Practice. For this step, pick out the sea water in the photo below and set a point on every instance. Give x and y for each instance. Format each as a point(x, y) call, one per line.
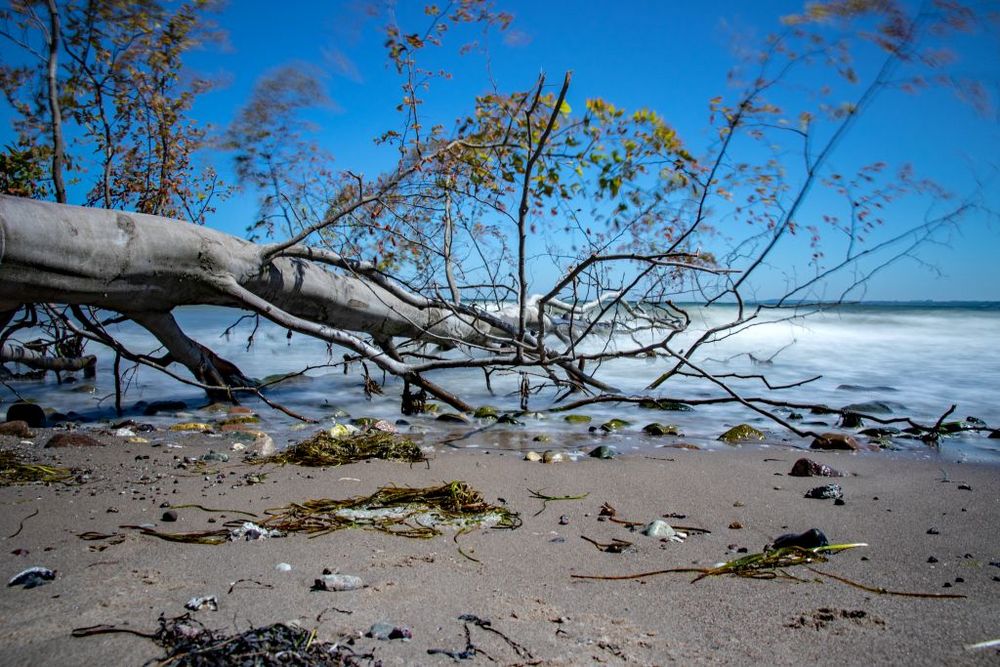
point(920, 358)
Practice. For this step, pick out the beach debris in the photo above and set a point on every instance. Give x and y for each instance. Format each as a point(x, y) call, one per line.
point(552, 456)
point(32, 577)
point(249, 531)
point(214, 456)
point(613, 425)
point(741, 433)
point(330, 581)
point(602, 452)
point(658, 429)
point(735, 525)
point(835, 441)
point(324, 449)
point(809, 539)
point(18, 428)
point(577, 419)
point(188, 643)
point(15, 471)
point(825, 492)
point(209, 602)
point(669, 406)
point(532, 456)
point(978, 646)
point(283, 567)
point(72, 440)
point(470, 651)
point(662, 529)
point(30, 413)
point(810, 468)
point(546, 499)
point(384, 631)
point(615, 546)
point(402, 511)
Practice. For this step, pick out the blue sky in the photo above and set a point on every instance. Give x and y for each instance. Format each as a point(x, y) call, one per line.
point(668, 56)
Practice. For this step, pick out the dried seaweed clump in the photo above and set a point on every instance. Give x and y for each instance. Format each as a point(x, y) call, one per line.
point(190, 644)
point(325, 450)
point(15, 471)
point(404, 511)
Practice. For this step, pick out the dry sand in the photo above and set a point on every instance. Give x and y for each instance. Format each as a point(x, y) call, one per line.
point(907, 510)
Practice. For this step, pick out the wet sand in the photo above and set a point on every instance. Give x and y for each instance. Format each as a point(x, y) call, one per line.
point(931, 526)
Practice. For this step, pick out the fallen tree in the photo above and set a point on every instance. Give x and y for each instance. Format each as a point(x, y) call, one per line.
point(427, 268)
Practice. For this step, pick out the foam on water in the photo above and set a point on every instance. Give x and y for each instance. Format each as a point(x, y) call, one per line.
point(923, 357)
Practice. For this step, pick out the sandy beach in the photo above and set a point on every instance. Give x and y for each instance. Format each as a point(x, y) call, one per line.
point(930, 526)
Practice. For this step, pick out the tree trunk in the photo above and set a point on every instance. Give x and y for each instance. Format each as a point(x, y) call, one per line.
point(143, 266)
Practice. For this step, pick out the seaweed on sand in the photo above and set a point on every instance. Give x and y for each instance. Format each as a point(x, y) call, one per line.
point(14, 471)
point(324, 449)
point(189, 643)
point(396, 510)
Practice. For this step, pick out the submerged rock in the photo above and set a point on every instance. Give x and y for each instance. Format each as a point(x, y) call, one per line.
point(994, 435)
point(810, 539)
point(741, 433)
point(508, 418)
point(874, 407)
point(613, 425)
point(602, 452)
point(658, 429)
point(835, 441)
point(453, 418)
point(191, 426)
point(26, 412)
point(485, 412)
point(157, 407)
point(549, 456)
point(672, 406)
point(72, 440)
point(542, 438)
point(826, 492)
point(858, 387)
point(577, 419)
point(880, 431)
point(810, 468)
point(850, 420)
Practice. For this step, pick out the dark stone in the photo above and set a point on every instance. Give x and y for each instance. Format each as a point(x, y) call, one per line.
point(994, 434)
point(835, 441)
point(825, 492)
point(810, 539)
point(157, 407)
point(850, 420)
point(72, 440)
point(810, 468)
point(933, 531)
point(17, 428)
point(26, 412)
point(880, 431)
point(169, 515)
point(602, 452)
point(873, 407)
point(932, 559)
point(839, 501)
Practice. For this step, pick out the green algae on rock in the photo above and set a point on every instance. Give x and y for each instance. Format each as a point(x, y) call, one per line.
point(661, 429)
point(741, 433)
point(577, 419)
